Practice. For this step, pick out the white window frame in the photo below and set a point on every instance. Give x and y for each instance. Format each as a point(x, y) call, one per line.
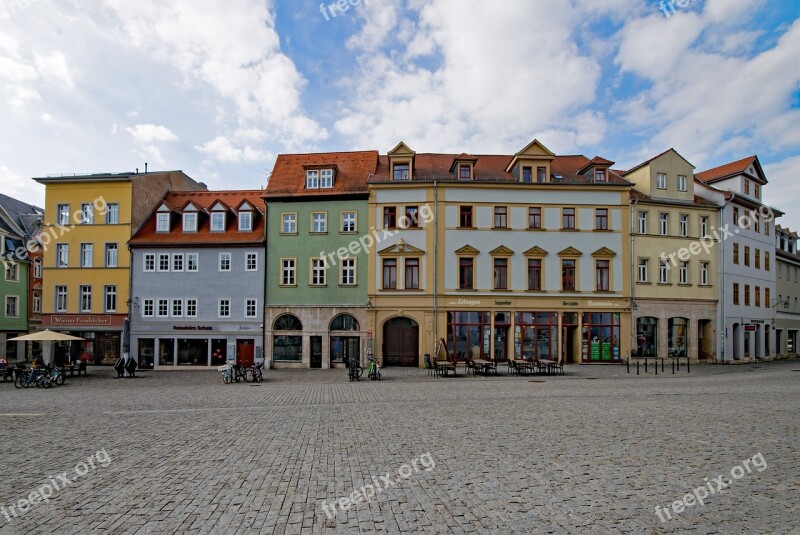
point(62, 214)
point(683, 273)
point(661, 181)
point(326, 178)
point(109, 291)
point(254, 258)
point(172, 310)
point(192, 257)
point(683, 225)
point(703, 226)
point(165, 303)
point(704, 273)
point(162, 222)
point(148, 257)
point(289, 218)
point(314, 222)
point(112, 213)
point(312, 179)
point(190, 227)
point(682, 183)
point(191, 304)
point(178, 262)
point(15, 312)
point(317, 273)
point(345, 217)
point(62, 255)
point(61, 291)
point(11, 271)
point(223, 259)
point(37, 268)
point(163, 256)
point(663, 272)
point(217, 221)
point(343, 269)
point(227, 303)
point(87, 209)
point(81, 294)
point(112, 255)
point(247, 304)
point(37, 302)
point(245, 221)
point(663, 224)
point(148, 304)
point(288, 266)
point(643, 269)
point(642, 218)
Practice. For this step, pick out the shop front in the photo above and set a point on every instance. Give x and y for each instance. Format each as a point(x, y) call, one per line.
point(102, 337)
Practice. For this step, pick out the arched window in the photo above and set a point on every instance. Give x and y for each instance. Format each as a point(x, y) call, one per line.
point(344, 322)
point(287, 322)
point(647, 337)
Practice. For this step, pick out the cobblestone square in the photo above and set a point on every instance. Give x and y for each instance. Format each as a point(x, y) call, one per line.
point(594, 451)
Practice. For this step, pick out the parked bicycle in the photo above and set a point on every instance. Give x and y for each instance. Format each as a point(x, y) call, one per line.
point(374, 372)
point(27, 378)
point(354, 369)
point(255, 372)
point(232, 372)
point(50, 377)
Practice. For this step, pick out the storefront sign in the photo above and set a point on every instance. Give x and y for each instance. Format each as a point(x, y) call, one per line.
point(245, 328)
point(502, 303)
point(569, 303)
point(468, 302)
point(192, 328)
point(756, 321)
point(750, 327)
point(81, 321)
point(603, 304)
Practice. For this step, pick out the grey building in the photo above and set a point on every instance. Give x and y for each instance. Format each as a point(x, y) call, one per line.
point(197, 281)
point(787, 316)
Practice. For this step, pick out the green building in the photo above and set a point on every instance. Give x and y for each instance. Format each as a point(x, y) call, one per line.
point(14, 293)
point(316, 276)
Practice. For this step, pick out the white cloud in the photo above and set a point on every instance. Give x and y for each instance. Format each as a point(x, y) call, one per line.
point(221, 149)
point(151, 154)
point(147, 133)
point(783, 190)
point(54, 67)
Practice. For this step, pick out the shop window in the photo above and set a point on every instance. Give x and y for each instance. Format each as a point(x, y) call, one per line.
point(468, 334)
point(536, 335)
point(647, 337)
point(601, 337)
point(677, 337)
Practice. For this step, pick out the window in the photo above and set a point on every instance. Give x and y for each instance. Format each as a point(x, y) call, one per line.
point(112, 255)
point(63, 214)
point(465, 273)
point(319, 222)
point(683, 273)
point(642, 222)
point(112, 214)
point(602, 270)
point(500, 217)
point(37, 268)
point(683, 223)
point(326, 178)
point(61, 298)
point(464, 172)
point(224, 261)
point(162, 222)
point(12, 272)
point(704, 273)
point(224, 309)
point(568, 218)
point(412, 217)
point(644, 268)
point(192, 262)
point(389, 273)
point(289, 223)
point(766, 261)
point(599, 175)
point(251, 262)
point(541, 175)
point(250, 308)
point(757, 191)
point(703, 226)
point(62, 255)
point(163, 262)
point(85, 293)
point(191, 308)
point(412, 273)
point(110, 298)
point(747, 295)
point(758, 295)
point(681, 183)
point(149, 262)
point(735, 215)
point(735, 253)
point(177, 308)
point(177, 262)
point(37, 302)
point(465, 216)
point(661, 181)
point(758, 259)
point(348, 271)
point(735, 293)
point(534, 217)
point(190, 222)
point(148, 308)
point(746, 255)
point(317, 272)
point(348, 222)
point(663, 224)
point(87, 211)
point(245, 221)
point(12, 306)
point(601, 219)
point(766, 228)
point(527, 175)
point(288, 272)
point(501, 273)
point(568, 275)
point(756, 224)
point(217, 221)
point(534, 274)
point(400, 171)
point(390, 217)
point(312, 179)
point(663, 272)
point(767, 301)
point(746, 187)
point(163, 308)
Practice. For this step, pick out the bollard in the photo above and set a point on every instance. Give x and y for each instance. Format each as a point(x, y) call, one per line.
point(645, 365)
point(673, 366)
point(637, 367)
point(656, 366)
point(662, 364)
point(628, 364)
point(688, 370)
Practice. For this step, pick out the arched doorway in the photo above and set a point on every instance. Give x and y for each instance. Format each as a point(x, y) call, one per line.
point(401, 342)
point(345, 342)
point(287, 342)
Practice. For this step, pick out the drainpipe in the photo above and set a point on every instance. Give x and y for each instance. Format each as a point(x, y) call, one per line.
point(633, 273)
point(264, 304)
point(721, 293)
point(435, 264)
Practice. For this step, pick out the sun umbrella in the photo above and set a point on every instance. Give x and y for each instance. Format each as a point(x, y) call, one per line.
point(45, 336)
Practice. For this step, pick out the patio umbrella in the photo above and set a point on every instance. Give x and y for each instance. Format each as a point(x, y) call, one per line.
point(45, 336)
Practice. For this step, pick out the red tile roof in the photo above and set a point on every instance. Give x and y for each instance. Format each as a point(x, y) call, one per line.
point(698, 201)
point(733, 168)
point(204, 200)
point(354, 168)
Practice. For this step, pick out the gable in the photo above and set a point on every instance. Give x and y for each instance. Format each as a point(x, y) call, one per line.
point(604, 252)
point(570, 251)
point(501, 251)
point(536, 251)
point(467, 250)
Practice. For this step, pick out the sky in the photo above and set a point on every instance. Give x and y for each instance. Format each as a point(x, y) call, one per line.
point(219, 89)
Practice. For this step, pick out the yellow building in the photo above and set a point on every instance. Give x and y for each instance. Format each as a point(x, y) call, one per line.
point(524, 255)
point(675, 263)
point(88, 222)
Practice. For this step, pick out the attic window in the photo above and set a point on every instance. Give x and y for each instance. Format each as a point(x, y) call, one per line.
point(312, 179)
point(326, 178)
point(527, 175)
point(400, 171)
point(245, 221)
point(190, 222)
point(541, 175)
point(599, 175)
point(217, 221)
point(464, 172)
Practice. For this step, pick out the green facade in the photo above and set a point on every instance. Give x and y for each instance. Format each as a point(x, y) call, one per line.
point(18, 288)
point(305, 245)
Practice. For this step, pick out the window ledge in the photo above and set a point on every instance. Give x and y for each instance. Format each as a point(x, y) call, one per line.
point(644, 283)
point(603, 230)
point(536, 229)
point(287, 234)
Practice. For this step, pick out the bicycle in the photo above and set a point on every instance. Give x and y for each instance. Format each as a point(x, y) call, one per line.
point(27, 378)
point(227, 373)
point(354, 370)
point(374, 372)
point(50, 377)
point(255, 372)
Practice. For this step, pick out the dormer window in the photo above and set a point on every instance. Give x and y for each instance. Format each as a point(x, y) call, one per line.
point(190, 222)
point(162, 222)
point(217, 221)
point(464, 172)
point(312, 179)
point(400, 171)
point(245, 221)
point(599, 175)
point(326, 178)
point(541, 175)
point(527, 175)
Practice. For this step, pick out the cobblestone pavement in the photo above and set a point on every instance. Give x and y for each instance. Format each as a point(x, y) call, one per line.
point(190, 454)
